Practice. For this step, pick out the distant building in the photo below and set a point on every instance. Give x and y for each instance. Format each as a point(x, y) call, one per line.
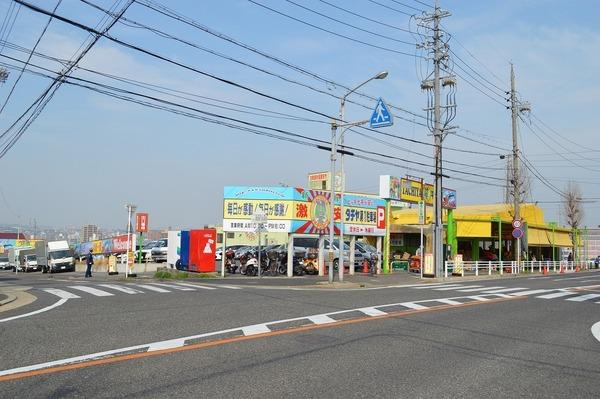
point(89, 232)
point(591, 243)
point(12, 236)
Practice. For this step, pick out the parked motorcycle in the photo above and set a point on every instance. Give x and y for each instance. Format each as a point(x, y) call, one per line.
point(230, 264)
point(310, 261)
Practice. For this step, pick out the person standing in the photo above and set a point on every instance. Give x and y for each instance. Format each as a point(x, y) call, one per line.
point(89, 262)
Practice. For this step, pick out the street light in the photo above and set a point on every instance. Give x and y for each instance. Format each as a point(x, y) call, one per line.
point(345, 126)
point(130, 209)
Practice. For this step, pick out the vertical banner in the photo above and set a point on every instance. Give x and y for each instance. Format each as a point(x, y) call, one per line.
point(141, 222)
point(428, 269)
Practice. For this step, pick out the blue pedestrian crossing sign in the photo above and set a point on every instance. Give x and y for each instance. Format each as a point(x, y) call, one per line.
point(381, 117)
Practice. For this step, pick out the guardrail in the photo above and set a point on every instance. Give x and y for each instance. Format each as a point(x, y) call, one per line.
point(476, 268)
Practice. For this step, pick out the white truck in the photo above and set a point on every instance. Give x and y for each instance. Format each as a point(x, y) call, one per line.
point(60, 257)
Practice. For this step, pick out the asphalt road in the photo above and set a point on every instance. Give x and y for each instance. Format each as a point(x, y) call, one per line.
point(470, 344)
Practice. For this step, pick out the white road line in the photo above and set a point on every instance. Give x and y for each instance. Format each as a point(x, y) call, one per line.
point(596, 331)
point(47, 308)
point(537, 278)
point(255, 329)
point(321, 319)
point(412, 305)
point(121, 288)
point(152, 288)
point(571, 278)
point(589, 281)
point(203, 287)
point(372, 312)
point(479, 289)
point(448, 301)
point(91, 290)
point(529, 292)
point(231, 287)
point(583, 297)
point(174, 287)
point(556, 295)
point(176, 342)
point(61, 293)
point(436, 286)
point(504, 290)
point(455, 288)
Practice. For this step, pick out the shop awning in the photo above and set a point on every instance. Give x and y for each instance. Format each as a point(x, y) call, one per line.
point(545, 238)
point(473, 229)
point(539, 237)
point(562, 239)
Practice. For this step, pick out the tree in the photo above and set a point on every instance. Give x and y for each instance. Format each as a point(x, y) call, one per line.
point(524, 184)
point(573, 210)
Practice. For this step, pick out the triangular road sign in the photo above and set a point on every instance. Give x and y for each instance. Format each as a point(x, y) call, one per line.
point(381, 115)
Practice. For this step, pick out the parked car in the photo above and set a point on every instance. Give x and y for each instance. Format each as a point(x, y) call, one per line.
point(4, 263)
point(159, 251)
point(147, 250)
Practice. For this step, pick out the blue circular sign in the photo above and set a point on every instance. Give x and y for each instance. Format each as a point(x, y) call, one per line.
point(517, 233)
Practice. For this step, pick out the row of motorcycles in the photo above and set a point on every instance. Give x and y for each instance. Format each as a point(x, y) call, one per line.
point(273, 263)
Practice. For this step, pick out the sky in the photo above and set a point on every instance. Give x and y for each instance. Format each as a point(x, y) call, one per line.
point(88, 154)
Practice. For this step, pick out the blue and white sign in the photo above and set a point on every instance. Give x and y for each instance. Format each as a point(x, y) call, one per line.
point(381, 117)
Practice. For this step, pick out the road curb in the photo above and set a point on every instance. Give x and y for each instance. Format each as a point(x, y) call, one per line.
point(10, 298)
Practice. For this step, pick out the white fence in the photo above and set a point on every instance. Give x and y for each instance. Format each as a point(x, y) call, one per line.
point(476, 268)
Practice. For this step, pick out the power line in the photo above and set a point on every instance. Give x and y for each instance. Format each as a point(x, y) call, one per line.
point(41, 102)
point(407, 6)
point(365, 18)
point(425, 4)
point(170, 13)
point(332, 32)
point(391, 8)
point(350, 25)
point(124, 94)
point(12, 89)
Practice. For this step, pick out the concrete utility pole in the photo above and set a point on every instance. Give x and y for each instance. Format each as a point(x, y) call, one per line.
point(332, 200)
point(437, 135)
point(515, 163)
point(438, 127)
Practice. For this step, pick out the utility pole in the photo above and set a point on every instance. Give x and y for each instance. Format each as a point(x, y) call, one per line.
point(439, 128)
point(332, 200)
point(437, 135)
point(515, 162)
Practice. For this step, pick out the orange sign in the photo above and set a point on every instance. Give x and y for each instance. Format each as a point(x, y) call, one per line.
point(141, 222)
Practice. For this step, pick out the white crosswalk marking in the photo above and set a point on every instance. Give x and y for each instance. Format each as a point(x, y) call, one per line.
point(412, 305)
point(478, 298)
point(583, 297)
point(174, 287)
point(91, 290)
point(455, 288)
point(504, 290)
point(203, 287)
point(61, 293)
point(479, 289)
point(555, 295)
point(437, 286)
point(528, 292)
point(152, 288)
point(448, 301)
point(121, 288)
point(255, 329)
point(372, 312)
point(321, 319)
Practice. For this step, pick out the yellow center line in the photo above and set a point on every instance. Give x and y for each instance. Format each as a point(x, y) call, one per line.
point(224, 341)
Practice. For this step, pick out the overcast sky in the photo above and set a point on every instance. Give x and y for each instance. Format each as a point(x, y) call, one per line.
point(88, 154)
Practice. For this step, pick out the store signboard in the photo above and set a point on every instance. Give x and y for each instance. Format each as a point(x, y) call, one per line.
point(322, 181)
point(296, 210)
point(413, 191)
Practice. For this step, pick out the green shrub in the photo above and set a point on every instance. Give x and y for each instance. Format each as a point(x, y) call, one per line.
point(163, 274)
